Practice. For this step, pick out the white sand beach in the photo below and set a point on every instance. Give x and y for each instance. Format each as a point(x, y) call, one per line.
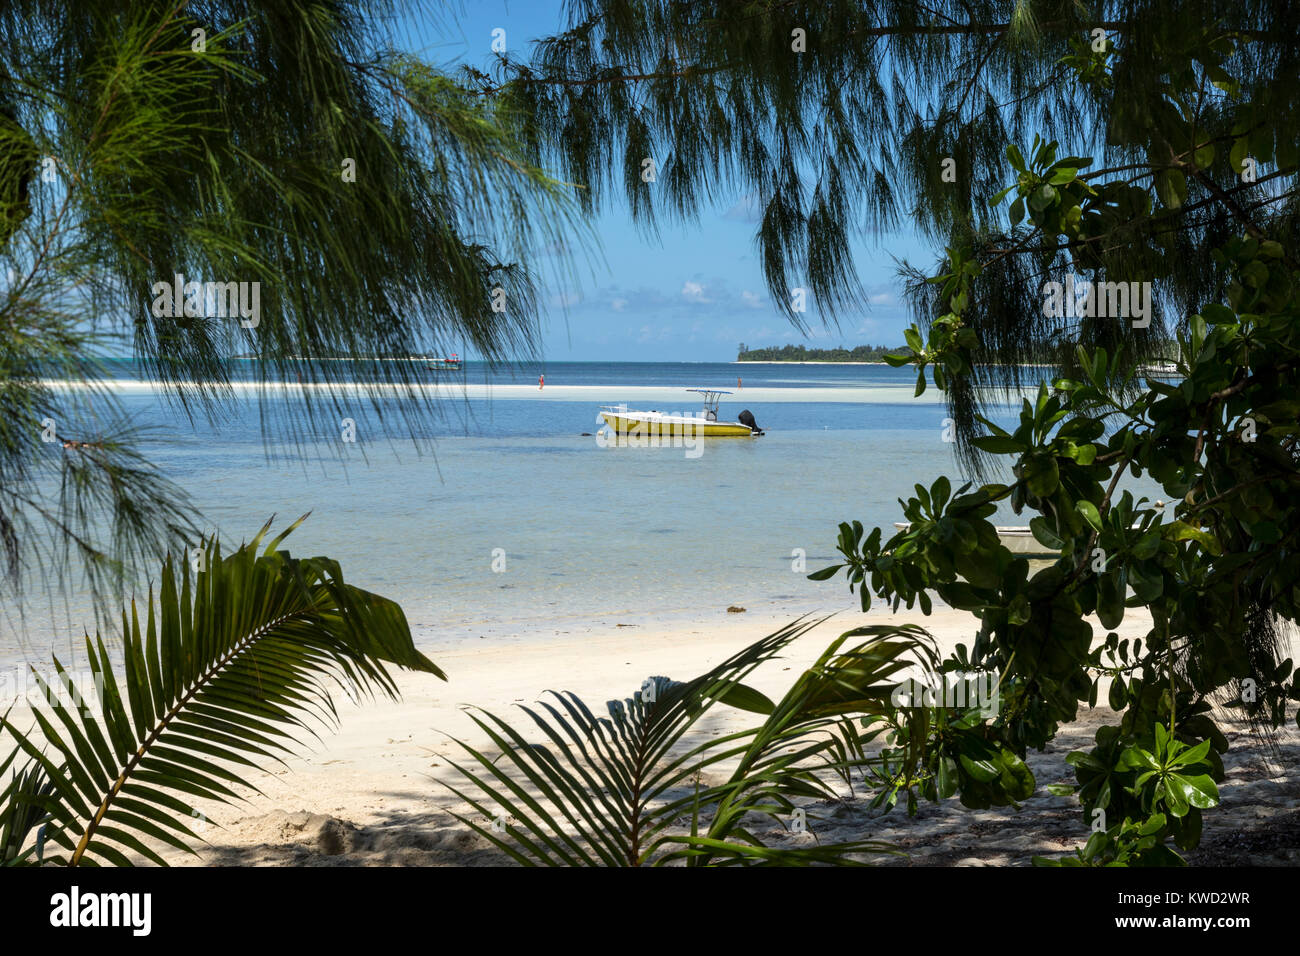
point(367, 795)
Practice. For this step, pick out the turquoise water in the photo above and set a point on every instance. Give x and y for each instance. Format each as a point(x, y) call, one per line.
point(515, 524)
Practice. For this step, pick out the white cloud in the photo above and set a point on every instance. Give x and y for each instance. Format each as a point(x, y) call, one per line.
point(752, 299)
point(693, 291)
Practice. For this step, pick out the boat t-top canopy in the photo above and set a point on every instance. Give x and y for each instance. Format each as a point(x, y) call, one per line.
point(711, 398)
point(711, 395)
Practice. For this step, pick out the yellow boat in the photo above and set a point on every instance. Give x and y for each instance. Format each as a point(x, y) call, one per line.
point(668, 424)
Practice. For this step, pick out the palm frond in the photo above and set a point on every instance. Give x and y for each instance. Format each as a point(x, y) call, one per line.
point(227, 668)
point(21, 809)
point(617, 789)
point(789, 755)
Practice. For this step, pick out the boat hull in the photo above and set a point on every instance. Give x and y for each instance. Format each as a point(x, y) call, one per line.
point(629, 424)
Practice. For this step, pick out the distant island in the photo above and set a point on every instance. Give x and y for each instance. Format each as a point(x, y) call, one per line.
point(801, 353)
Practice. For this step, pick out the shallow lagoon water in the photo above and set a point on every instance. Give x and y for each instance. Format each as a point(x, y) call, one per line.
point(514, 523)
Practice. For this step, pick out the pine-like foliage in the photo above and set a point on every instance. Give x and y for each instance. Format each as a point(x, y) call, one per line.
point(380, 208)
point(854, 117)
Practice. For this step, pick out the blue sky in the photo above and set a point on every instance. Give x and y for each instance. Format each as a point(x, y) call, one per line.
point(697, 291)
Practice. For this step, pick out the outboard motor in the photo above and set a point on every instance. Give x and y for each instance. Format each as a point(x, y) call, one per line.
point(747, 418)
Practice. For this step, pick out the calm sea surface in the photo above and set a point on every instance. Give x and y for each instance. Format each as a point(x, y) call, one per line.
point(517, 525)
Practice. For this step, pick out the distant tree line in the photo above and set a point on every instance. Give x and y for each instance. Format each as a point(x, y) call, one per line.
point(801, 353)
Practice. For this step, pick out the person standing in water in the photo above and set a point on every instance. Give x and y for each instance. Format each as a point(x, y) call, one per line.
point(739, 387)
point(541, 381)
